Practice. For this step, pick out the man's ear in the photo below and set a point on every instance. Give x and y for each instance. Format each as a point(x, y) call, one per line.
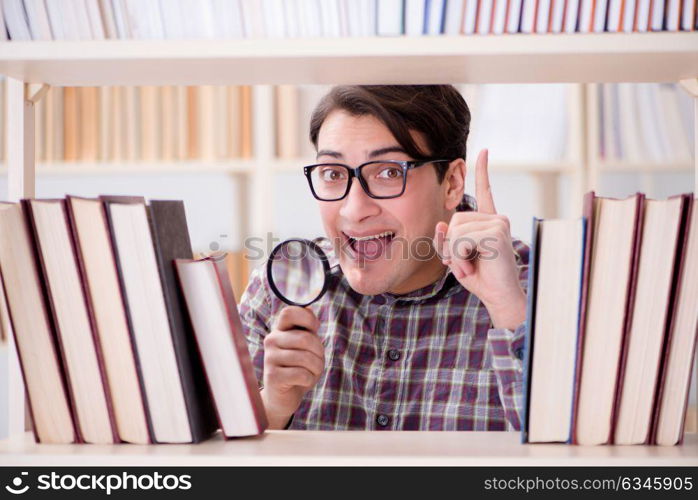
point(454, 184)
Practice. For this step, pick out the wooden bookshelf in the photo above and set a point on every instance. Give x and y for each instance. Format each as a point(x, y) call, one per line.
point(576, 58)
point(406, 448)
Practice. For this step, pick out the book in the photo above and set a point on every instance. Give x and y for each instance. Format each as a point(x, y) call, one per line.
point(147, 317)
point(16, 20)
point(660, 225)
point(222, 346)
point(81, 353)
point(553, 321)
point(44, 379)
point(287, 132)
point(171, 241)
point(37, 16)
point(391, 18)
point(98, 268)
point(614, 227)
point(675, 378)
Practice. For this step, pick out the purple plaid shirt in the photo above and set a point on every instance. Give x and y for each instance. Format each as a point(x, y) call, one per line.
point(427, 360)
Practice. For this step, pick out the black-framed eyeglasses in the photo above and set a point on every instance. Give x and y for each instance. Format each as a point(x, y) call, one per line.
point(380, 179)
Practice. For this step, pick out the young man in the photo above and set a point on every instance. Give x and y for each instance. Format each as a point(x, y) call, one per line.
point(403, 338)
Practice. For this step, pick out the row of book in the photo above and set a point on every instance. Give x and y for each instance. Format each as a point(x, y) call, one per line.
point(122, 336)
point(147, 124)
point(612, 323)
point(645, 123)
point(234, 19)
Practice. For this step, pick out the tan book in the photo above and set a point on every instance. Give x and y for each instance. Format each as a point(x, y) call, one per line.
point(58, 133)
point(614, 231)
point(168, 123)
point(181, 123)
point(150, 126)
point(117, 117)
point(220, 126)
point(70, 124)
point(287, 122)
point(234, 116)
point(192, 123)
point(44, 378)
point(89, 123)
point(675, 381)
point(661, 222)
point(132, 124)
point(5, 327)
point(246, 149)
point(206, 122)
point(106, 133)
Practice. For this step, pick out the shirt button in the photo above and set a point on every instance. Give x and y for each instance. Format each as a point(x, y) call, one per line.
point(382, 420)
point(393, 354)
point(519, 353)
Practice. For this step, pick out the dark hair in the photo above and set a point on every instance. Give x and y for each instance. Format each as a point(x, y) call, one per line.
point(438, 112)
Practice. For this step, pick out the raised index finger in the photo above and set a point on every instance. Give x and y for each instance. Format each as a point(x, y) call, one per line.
point(483, 192)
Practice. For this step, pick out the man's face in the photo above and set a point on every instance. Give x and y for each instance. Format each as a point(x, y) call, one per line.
point(400, 259)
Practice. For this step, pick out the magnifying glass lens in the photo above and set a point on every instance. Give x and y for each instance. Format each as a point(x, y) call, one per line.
point(297, 272)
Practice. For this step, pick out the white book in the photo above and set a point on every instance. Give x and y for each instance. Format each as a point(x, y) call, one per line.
point(600, 16)
point(414, 17)
point(435, 16)
point(557, 21)
point(108, 22)
point(55, 16)
point(273, 18)
point(628, 16)
point(123, 29)
point(678, 137)
point(71, 30)
point(469, 17)
point(688, 16)
point(343, 18)
point(454, 17)
point(390, 17)
point(354, 18)
point(614, 7)
point(657, 16)
point(484, 17)
point(313, 18)
point(173, 19)
point(82, 20)
point(543, 18)
point(37, 16)
point(95, 18)
point(585, 19)
point(648, 124)
point(292, 23)
point(137, 18)
point(16, 20)
point(253, 19)
point(571, 16)
point(673, 15)
point(634, 150)
point(514, 16)
point(659, 120)
point(198, 18)
point(330, 18)
point(368, 13)
point(500, 14)
point(643, 14)
point(3, 32)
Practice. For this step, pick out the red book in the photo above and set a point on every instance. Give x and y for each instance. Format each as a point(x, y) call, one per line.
point(222, 346)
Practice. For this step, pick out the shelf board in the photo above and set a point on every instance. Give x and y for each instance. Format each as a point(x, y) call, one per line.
point(517, 58)
point(351, 448)
point(236, 166)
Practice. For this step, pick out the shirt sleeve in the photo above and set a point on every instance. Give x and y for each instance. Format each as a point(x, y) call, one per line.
point(505, 349)
point(255, 314)
point(505, 352)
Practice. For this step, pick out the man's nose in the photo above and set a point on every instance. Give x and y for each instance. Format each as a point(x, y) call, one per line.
point(358, 205)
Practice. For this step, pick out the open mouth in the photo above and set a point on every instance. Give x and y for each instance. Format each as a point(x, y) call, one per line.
point(368, 247)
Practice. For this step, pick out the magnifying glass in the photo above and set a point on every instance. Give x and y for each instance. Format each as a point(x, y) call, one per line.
point(297, 270)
